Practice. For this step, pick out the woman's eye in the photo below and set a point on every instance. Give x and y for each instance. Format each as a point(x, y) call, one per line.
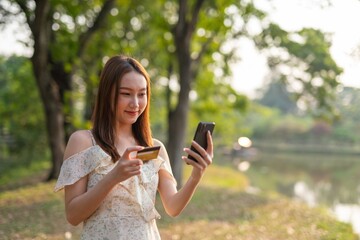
point(124, 93)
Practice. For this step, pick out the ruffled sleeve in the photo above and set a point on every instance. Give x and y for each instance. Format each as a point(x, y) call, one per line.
point(165, 162)
point(81, 164)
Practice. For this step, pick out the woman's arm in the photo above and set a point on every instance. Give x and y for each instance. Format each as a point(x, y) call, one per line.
point(175, 201)
point(81, 203)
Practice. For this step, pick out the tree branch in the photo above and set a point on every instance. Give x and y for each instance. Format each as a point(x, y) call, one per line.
point(204, 48)
point(98, 23)
point(195, 15)
point(25, 10)
point(182, 15)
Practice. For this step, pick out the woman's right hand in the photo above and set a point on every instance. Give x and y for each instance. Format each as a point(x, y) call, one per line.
point(127, 166)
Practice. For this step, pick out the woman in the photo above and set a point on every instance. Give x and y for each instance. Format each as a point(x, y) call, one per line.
point(106, 187)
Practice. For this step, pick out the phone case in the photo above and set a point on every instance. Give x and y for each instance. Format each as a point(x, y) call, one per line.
point(200, 135)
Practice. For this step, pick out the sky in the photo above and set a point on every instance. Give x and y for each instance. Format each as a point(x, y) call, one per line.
point(341, 19)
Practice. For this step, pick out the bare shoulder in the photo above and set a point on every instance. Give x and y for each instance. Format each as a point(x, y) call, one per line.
point(78, 141)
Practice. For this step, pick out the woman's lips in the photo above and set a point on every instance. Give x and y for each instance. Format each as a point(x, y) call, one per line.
point(132, 113)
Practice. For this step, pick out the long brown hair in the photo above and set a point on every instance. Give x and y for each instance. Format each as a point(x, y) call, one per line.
point(104, 114)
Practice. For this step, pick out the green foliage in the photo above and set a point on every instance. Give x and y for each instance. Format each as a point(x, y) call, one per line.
point(270, 124)
point(259, 119)
point(158, 114)
point(337, 231)
point(310, 70)
point(145, 30)
point(22, 119)
point(346, 129)
point(13, 172)
point(276, 96)
point(150, 25)
point(219, 103)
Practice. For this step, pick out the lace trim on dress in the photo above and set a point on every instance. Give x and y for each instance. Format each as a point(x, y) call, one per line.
point(81, 164)
point(143, 196)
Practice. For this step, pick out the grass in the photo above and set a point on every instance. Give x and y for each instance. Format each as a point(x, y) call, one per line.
point(220, 209)
point(15, 173)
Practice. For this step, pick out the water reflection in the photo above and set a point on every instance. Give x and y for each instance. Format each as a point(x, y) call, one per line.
point(243, 166)
point(315, 179)
point(303, 192)
point(349, 213)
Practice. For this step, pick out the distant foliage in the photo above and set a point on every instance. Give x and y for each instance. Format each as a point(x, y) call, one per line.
point(22, 125)
point(302, 60)
point(272, 124)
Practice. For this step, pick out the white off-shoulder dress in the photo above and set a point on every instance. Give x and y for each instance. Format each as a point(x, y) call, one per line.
point(128, 211)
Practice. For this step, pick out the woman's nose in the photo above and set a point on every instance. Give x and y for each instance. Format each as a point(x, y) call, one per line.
point(134, 102)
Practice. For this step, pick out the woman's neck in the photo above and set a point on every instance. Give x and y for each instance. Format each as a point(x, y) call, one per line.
point(125, 136)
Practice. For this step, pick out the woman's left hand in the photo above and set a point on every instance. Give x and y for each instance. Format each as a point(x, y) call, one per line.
point(204, 157)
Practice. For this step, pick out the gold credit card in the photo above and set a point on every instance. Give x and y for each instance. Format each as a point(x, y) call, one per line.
point(148, 153)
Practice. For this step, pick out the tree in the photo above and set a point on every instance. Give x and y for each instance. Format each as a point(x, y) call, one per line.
point(183, 42)
point(277, 96)
point(200, 31)
point(52, 60)
point(181, 39)
point(302, 60)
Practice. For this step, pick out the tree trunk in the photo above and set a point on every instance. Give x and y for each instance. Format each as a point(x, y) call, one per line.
point(178, 118)
point(52, 78)
point(177, 129)
point(54, 125)
point(48, 88)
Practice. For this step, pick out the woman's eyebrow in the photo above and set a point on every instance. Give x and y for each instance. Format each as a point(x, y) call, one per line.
point(124, 88)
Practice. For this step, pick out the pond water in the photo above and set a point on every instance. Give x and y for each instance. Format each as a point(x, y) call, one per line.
point(316, 179)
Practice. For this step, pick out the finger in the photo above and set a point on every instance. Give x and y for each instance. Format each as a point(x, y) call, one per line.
point(203, 153)
point(132, 169)
point(134, 172)
point(208, 159)
point(198, 147)
point(129, 150)
point(134, 162)
point(192, 162)
point(129, 164)
point(210, 146)
point(199, 158)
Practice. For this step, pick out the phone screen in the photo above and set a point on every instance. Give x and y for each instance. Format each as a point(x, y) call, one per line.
point(200, 135)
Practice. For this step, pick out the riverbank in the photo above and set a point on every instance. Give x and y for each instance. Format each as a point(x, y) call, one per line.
point(308, 148)
point(220, 209)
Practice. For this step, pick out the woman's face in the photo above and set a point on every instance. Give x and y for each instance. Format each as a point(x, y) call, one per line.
point(132, 98)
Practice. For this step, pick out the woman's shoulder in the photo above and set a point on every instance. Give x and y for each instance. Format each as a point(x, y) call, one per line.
point(78, 141)
point(163, 152)
point(157, 142)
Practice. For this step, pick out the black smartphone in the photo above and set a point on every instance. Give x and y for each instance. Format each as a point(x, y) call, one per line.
point(200, 135)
